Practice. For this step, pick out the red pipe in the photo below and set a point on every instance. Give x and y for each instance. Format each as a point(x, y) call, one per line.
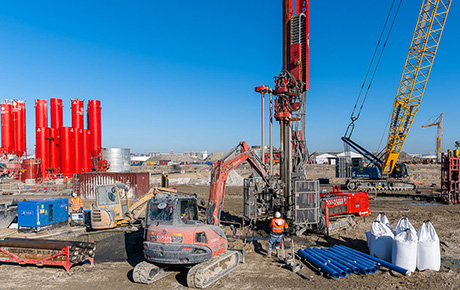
point(53, 150)
point(42, 150)
point(77, 114)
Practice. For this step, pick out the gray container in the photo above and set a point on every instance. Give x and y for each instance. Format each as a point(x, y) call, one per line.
point(119, 158)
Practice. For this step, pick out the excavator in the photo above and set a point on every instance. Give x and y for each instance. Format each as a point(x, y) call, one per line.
point(385, 173)
point(174, 235)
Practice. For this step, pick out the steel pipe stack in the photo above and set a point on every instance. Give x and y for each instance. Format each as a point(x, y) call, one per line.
point(339, 261)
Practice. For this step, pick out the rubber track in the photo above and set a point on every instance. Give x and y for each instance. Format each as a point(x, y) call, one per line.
point(204, 274)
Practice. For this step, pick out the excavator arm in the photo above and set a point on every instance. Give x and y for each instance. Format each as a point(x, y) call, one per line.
point(219, 175)
point(419, 61)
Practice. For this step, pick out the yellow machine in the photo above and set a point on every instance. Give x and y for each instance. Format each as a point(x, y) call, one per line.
point(113, 208)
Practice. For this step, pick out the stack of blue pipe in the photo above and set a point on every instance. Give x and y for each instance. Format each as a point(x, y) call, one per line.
point(340, 261)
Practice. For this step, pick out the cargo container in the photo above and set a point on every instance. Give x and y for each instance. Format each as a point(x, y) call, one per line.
point(42, 214)
point(85, 184)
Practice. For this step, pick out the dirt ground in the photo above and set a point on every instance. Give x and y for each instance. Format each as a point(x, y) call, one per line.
point(118, 252)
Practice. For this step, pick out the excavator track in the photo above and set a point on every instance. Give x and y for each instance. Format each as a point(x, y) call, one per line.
point(380, 185)
point(204, 274)
point(147, 273)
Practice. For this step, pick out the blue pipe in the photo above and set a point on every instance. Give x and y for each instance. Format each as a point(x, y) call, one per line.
point(365, 266)
point(318, 264)
point(332, 261)
point(336, 263)
point(341, 260)
point(356, 255)
point(326, 262)
point(381, 262)
point(352, 255)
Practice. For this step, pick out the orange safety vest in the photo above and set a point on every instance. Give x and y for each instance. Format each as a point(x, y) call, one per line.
point(76, 203)
point(278, 225)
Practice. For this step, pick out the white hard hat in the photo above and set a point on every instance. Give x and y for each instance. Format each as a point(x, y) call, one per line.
point(277, 214)
point(74, 194)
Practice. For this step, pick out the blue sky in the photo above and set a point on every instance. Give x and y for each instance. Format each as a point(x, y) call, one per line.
point(181, 75)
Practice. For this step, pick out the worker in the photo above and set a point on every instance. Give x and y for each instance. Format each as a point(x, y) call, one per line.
point(277, 226)
point(76, 203)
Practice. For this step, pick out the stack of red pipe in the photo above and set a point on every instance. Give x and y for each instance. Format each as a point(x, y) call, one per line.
point(13, 119)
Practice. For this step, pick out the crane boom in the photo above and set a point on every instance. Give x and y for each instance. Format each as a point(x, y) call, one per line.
point(428, 31)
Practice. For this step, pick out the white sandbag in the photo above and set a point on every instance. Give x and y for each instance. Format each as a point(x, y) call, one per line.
point(402, 225)
point(380, 241)
point(428, 252)
point(405, 250)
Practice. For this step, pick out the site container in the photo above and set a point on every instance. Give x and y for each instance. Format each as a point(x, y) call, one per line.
point(85, 183)
point(41, 214)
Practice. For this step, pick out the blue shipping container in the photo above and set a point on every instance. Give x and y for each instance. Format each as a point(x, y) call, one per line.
point(42, 214)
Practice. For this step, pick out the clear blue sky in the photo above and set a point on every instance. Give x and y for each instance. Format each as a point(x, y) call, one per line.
point(181, 74)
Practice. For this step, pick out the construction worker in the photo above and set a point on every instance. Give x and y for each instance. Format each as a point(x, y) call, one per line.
point(277, 226)
point(76, 203)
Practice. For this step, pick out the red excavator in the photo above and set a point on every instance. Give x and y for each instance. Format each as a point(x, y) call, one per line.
point(174, 236)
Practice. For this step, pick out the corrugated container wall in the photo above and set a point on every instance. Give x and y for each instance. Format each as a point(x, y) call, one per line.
point(85, 183)
point(119, 158)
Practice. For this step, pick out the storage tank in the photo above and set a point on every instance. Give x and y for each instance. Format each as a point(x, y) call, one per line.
point(95, 126)
point(119, 158)
point(41, 113)
point(78, 150)
point(42, 150)
point(30, 169)
point(56, 113)
point(86, 153)
point(19, 127)
point(7, 128)
point(66, 149)
point(77, 113)
point(53, 150)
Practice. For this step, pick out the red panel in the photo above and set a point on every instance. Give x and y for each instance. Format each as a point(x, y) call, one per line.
point(95, 126)
point(53, 150)
point(7, 128)
point(42, 150)
point(41, 113)
point(295, 59)
point(56, 113)
point(66, 149)
point(19, 128)
point(86, 150)
point(77, 114)
point(78, 150)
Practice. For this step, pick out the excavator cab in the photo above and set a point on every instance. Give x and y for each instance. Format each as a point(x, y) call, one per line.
point(111, 204)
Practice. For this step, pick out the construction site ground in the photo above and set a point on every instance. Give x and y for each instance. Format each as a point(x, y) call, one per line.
point(119, 251)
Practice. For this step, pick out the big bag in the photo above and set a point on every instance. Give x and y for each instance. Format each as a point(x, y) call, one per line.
point(404, 252)
point(381, 241)
point(429, 251)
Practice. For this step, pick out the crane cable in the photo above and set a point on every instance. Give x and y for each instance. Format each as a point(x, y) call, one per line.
point(354, 116)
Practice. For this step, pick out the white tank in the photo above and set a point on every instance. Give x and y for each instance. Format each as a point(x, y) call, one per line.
point(119, 158)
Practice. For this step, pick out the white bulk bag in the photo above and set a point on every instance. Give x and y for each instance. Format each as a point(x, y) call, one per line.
point(405, 250)
point(380, 241)
point(402, 225)
point(380, 218)
point(428, 252)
